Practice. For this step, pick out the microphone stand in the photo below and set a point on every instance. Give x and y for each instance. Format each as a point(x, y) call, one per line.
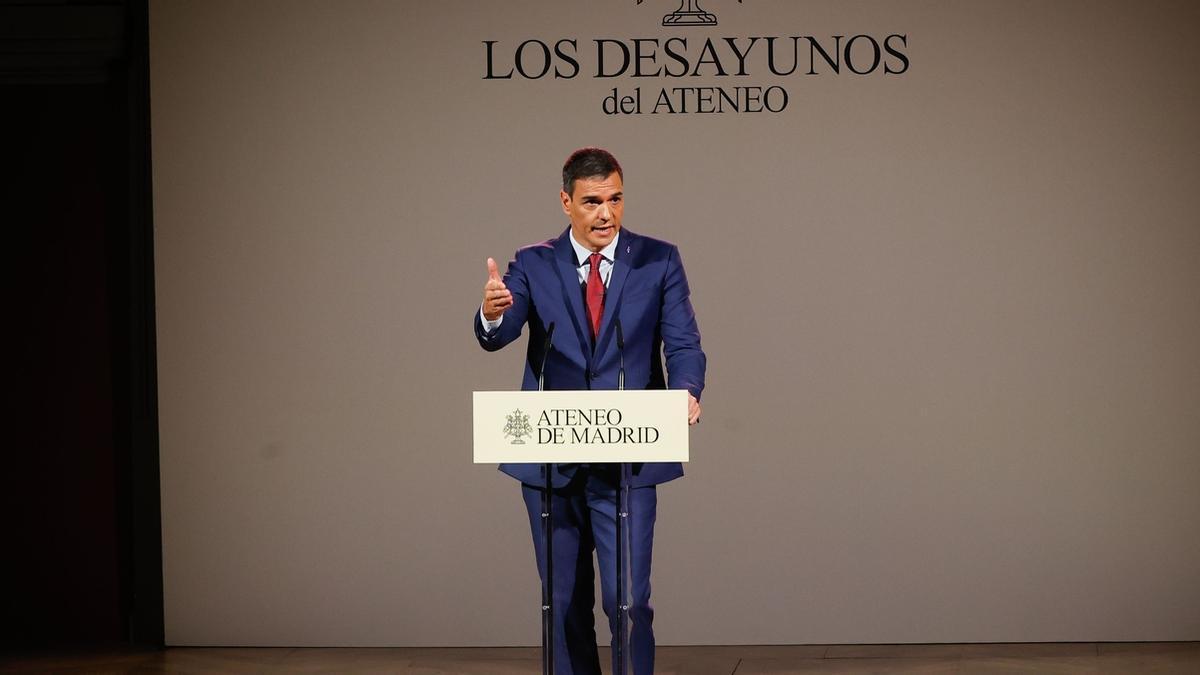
point(622, 531)
point(547, 536)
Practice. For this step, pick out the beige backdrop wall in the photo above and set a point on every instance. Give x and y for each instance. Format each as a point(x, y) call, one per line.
point(952, 319)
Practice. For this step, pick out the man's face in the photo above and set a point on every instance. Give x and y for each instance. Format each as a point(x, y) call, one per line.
point(595, 210)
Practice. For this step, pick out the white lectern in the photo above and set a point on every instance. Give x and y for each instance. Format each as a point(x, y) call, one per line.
point(582, 427)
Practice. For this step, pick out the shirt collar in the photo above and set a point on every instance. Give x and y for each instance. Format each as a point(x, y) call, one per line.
point(582, 253)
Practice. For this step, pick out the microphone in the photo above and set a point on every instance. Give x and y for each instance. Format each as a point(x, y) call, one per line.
point(545, 355)
point(620, 353)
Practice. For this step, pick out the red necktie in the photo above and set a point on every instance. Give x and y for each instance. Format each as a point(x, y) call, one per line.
point(595, 294)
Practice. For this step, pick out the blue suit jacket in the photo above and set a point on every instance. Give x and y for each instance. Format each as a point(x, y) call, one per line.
point(648, 290)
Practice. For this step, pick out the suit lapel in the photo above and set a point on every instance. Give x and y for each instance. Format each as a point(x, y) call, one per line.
point(568, 272)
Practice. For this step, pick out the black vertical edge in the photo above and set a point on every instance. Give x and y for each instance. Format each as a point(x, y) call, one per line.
point(144, 594)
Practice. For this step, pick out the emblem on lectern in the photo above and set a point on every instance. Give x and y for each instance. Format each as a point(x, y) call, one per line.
point(689, 14)
point(518, 427)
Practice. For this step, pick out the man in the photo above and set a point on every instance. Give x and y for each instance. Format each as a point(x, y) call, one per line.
point(583, 280)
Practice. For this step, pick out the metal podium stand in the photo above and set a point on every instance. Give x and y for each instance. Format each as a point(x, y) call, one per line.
point(664, 412)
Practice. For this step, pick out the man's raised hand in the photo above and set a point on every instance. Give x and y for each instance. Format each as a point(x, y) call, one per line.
point(496, 296)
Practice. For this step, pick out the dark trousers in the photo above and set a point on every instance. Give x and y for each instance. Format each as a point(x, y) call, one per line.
point(585, 520)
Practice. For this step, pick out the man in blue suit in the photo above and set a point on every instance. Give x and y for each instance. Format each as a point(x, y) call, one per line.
point(583, 281)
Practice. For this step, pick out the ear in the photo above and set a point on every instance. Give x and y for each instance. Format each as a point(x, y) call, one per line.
point(566, 201)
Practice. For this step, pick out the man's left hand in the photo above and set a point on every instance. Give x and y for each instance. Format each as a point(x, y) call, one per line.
point(693, 410)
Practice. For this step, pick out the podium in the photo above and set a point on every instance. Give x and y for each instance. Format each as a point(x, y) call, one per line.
point(622, 427)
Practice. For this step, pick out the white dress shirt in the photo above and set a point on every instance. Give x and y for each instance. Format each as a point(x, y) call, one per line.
point(584, 268)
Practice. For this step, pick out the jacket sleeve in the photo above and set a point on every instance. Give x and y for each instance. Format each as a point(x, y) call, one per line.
point(686, 361)
point(514, 317)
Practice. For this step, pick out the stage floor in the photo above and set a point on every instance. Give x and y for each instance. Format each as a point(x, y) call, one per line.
point(1125, 658)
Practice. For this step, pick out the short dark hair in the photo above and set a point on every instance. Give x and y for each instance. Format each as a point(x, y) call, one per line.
point(589, 163)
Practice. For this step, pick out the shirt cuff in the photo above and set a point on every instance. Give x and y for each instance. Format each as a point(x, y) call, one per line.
point(489, 326)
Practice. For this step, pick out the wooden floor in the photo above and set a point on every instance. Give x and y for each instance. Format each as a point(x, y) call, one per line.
point(1074, 657)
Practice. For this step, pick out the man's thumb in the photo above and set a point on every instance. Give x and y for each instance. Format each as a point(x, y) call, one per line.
point(493, 272)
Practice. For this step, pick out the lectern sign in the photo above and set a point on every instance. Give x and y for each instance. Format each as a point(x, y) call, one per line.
point(580, 426)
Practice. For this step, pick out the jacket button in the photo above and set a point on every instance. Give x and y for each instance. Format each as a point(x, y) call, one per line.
point(595, 374)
